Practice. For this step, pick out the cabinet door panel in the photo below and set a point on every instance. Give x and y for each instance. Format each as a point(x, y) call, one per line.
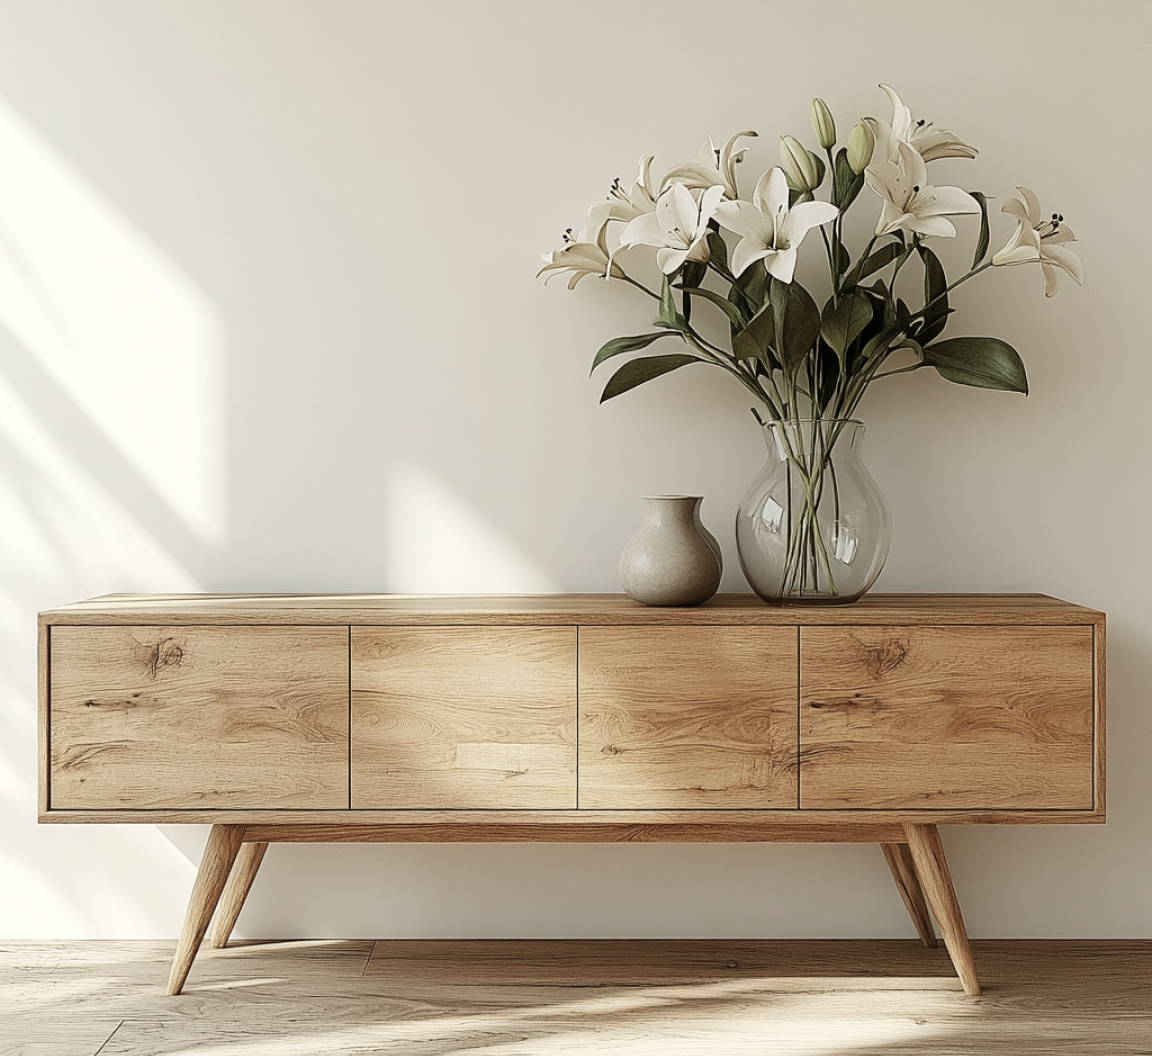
point(946, 718)
point(198, 717)
point(463, 717)
point(688, 717)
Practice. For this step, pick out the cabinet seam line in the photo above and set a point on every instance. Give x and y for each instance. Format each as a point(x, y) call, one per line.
point(577, 716)
point(798, 676)
point(349, 716)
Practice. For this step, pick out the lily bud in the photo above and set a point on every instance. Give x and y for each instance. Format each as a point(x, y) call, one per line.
point(861, 143)
point(822, 124)
point(798, 164)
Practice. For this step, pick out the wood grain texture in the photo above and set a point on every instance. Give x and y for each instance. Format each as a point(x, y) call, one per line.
point(687, 717)
point(559, 998)
point(545, 819)
point(220, 852)
point(1100, 725)
point(197, 717)
point(899, 859)
point(932, 868)
point(564, 609)
point(582, 832)
point(466, 717)
point(957, 717)
point(43, 738)
point(235, 893)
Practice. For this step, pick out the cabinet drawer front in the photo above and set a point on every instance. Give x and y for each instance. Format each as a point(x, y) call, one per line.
point(198, 717)
point(688, 717)
point(463, 717)
point(946, 718)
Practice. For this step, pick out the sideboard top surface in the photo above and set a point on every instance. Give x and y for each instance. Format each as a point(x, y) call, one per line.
point(559, 609)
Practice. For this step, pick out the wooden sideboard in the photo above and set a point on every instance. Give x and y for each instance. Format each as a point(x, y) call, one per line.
point(571, 718)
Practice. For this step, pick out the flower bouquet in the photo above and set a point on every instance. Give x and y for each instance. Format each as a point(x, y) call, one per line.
point(808, 363)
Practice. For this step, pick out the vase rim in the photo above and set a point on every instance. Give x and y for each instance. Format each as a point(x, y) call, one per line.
point(809, 421)
point(658, 498)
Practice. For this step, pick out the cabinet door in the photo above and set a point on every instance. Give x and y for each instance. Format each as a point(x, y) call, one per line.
point(463, 717)
point(688, 717)
point(946, 718)
point(198, 717)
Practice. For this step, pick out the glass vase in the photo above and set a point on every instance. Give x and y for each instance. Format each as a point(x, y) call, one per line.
point(813, 527)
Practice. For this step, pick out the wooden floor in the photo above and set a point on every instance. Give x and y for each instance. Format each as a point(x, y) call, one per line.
point(487, 998)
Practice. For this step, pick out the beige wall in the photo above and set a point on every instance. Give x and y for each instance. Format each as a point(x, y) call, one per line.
point(268, 321)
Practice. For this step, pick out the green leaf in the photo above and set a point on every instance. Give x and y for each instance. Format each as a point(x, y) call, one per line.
point(840, 257)
point(638, 371)
point(982, 240)
point(845, 183)
point(820, 168)
point(935, 296)
point(903, 314)
point(797, 322)
point(619, 345)
point(736, 317)
point(843, 322)
point(692, 274)
point(753, 285)
point(869, 265)
point(755, 340)
point(984, 362)
point(669, 317)
point(718, 251)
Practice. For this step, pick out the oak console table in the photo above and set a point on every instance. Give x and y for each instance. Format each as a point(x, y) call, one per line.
point(571, 718)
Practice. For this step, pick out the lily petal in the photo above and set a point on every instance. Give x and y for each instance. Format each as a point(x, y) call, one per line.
point(771, 193)
point(781, 264)
point(643, 231)
point(1066, 259)
point(901, 115)
point(1032, 205)
point(748, 251)
point(931, 226)
point(1019, 254)
point(668, 260)
point(741, 218)
point(946, 201)
point(804, 216)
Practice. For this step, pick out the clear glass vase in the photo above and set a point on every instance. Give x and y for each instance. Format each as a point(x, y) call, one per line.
point(813, 527)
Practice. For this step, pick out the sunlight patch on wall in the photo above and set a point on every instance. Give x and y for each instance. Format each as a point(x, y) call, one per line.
point(112, 477)
point(131, 341)
point(63, 530)
point(437, 543)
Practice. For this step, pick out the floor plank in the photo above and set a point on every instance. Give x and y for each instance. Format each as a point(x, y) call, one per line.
point(620, 998)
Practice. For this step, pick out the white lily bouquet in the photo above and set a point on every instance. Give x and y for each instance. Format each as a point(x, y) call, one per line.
point(808, 364)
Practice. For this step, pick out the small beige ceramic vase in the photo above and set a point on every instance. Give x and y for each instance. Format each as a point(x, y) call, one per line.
point(673, 559)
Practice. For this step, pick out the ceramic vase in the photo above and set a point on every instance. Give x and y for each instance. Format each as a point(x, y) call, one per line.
point(672, 559)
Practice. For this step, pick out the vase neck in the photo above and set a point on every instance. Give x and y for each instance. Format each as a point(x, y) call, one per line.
point(805, 437)
point(671, 509)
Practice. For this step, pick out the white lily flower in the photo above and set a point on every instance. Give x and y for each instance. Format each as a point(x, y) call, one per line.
point(929, 141)
point(910, 202)
point(710, 167)
point(678, 228)
point(581, 256)
point(623, 205)
point(770, 231)
point(1039, 239)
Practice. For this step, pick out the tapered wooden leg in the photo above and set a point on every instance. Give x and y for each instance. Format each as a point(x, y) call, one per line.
point(223, 845)
point(236, 891)
point(899, 859)
point(932, 868)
